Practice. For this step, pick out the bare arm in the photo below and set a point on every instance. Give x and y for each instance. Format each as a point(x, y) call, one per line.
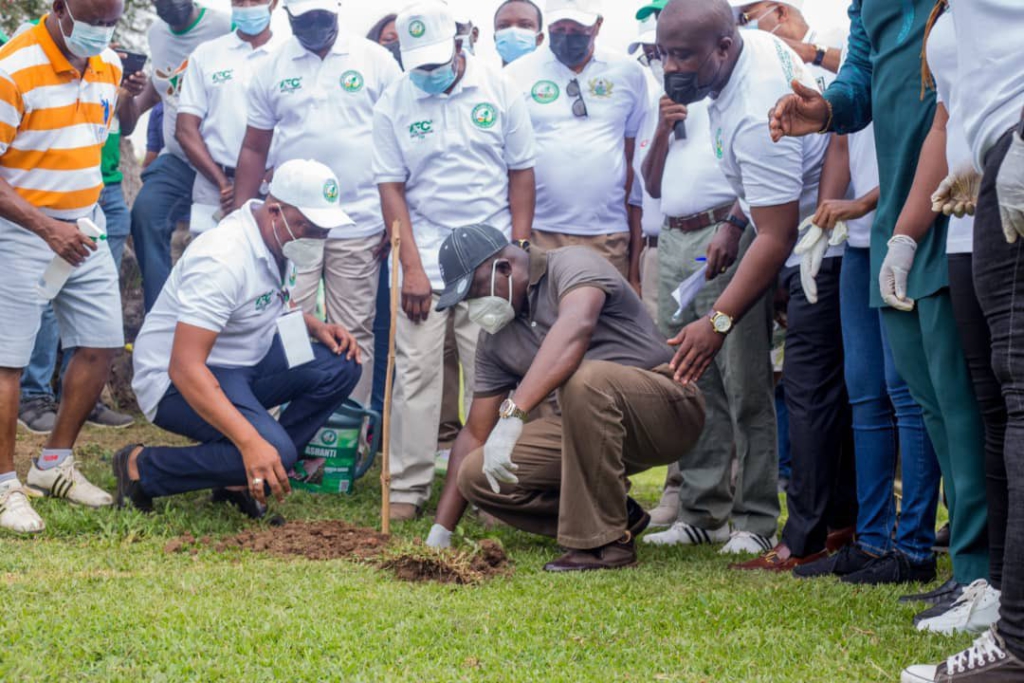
point(522, 201)
point(654, 163)
point(252, 164)
point(191, 140)
point(416, 290)
point(917, 217)
point(483, 415)
point(65, 239)
point(835, 174)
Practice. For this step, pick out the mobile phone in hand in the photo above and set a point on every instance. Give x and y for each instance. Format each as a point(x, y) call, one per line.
point(132, 63)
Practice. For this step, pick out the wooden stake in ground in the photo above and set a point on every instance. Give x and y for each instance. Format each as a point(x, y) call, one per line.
point(385, 463)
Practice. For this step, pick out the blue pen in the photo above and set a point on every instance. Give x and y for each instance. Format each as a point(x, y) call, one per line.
point(701, 259)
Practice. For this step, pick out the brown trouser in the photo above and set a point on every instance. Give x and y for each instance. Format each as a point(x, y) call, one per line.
point(614, 246)
point(616, 421)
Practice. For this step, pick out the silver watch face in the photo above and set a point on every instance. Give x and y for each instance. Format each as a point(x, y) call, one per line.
point(506, 408)
point(722, 323)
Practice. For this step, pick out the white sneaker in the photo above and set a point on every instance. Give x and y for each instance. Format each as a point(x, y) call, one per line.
point(16, 513)
point(988, 655)
point(65, 481)
point(682, 533)
point(974, 611)
point(747, 543)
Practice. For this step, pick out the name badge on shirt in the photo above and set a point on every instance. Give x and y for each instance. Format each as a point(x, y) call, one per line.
point(298, 350)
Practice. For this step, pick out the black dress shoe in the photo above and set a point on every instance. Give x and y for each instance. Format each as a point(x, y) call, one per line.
point(941, 544)
point(129, 491)
point(637, 518)
point(243, 500)
point(616, 555)
point(951, 590)
point(849, 560)
point(893, 567)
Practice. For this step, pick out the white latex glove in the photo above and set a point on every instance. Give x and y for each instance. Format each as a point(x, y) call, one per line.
point(498, 465)
point(439, 537)
point(1010, 188)
point(812, 247)
point(895, 268)
point(957, 195)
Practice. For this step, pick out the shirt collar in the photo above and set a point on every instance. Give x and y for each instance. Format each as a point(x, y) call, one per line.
point(57, 59)
point(470, 80)
point(237, 43)
point(252, 233)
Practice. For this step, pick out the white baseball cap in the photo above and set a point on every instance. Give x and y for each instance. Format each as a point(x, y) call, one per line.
point(426, 34)
point(299, 7)
point(647, 33)
point(312, 188)
point(584, 12)
point(796, 4)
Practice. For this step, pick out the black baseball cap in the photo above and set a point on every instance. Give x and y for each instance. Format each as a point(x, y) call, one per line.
point(461, 254)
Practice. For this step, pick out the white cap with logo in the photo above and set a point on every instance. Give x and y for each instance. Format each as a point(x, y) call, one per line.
point(796, 4)
point(299, 7)
point(312, 188)
point(426, 33)
point(584, 12)
point(647, 33)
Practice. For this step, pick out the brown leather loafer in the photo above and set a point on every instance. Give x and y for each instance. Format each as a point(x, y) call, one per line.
point(840, 538)
point(778, 559)
point(616, 555)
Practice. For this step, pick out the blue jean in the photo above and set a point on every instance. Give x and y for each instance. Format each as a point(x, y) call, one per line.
point(37, 377)
point(313, 392)
point(381, 330)
point(882, 410)
point(782, 417)
point(164, 201)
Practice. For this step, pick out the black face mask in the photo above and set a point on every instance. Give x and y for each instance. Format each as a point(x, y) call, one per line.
point(685, 87)
point(174, 12)
point(570, 48)
point(316, 30)
point(395, 49)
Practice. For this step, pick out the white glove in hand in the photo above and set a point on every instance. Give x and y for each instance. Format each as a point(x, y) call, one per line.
point(439, 537)
point(895, 268)
point(812, 247)
point(1010, 188)
point(957, 195)
point(498, 465)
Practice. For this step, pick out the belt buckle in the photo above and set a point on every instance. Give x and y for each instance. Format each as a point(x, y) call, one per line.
point(710, 213)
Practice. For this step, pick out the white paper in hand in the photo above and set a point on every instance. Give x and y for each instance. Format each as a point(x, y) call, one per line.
point(688, 291)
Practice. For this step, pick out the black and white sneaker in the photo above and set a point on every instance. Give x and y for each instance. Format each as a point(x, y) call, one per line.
point(747, 543)
point(682, 533)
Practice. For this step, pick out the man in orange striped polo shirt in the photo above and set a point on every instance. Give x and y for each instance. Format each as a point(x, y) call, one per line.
point(58, 94)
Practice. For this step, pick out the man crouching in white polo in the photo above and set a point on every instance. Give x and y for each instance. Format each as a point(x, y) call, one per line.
point(222, 345)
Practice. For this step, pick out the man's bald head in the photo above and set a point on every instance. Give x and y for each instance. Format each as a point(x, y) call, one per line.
point(708, 19)
point(699, 39)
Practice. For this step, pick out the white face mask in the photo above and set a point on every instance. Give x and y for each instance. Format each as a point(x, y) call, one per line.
point(658, 71)
point(493, 313)
point(305, 253)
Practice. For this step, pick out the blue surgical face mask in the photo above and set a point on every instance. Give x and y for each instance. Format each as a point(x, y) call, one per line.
point(86, 40)
point(436, 81)
point(251, 21)
point(753, 24)
point(515, 42)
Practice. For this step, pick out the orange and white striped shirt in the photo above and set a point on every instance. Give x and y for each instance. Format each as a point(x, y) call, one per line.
point(54, 122)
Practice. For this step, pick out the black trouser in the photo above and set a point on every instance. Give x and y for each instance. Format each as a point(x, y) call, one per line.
point(999, 279)
point(822, 491)
point(977, 343)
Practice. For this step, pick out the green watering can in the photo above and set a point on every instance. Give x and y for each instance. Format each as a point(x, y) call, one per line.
point(341, 452)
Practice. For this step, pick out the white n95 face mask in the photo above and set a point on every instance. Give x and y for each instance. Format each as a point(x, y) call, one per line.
point(304, 252)
point(493, 313)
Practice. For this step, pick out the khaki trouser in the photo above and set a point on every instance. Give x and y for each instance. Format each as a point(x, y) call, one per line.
point(419, 387)
point(350, 274)
point(614, 247)
point(649, 280)
point(616, 421)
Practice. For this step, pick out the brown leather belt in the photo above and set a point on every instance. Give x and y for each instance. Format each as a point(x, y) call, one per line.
point(699, 221)
point(651, 241)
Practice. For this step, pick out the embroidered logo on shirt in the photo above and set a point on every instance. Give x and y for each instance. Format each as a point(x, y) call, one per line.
point(417, 29)
point(421, 129)
point(224, 76)
point(173, 77)
point(288, 85)
point(601, 87)
point(331, 191)
point(263, 301)
point(484, 115)
point(105, 103)
point(786, 60)
point(719, 147)
point(352, 81)
point(545, 92)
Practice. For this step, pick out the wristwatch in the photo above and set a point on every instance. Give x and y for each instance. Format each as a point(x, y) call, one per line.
point(819, 54)
point(720, 322)
point(523, 244)
point(509, 409)
point(740, 223)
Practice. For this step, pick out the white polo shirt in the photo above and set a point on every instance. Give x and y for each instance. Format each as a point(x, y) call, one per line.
point(454, 153)
point(638, 196)
point(215, 89)
point(943, 63)
point(323, 110)
point(693, 181)
point(581, 162)
point(763, 173)
point(989, 37)
point(228, 282)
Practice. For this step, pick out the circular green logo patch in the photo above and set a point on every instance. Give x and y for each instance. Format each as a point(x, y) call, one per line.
point(484, 115)
point(331, 191)
point(352, 81)
point(329, 437)
point(545, 92)
point(417, 29)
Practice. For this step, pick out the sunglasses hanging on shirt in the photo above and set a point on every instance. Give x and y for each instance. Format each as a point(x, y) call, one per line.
point(579, 107)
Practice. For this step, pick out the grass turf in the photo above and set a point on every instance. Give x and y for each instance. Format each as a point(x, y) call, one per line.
point(95, 598)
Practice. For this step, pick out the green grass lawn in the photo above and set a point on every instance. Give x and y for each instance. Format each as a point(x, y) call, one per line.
point(95, 598)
